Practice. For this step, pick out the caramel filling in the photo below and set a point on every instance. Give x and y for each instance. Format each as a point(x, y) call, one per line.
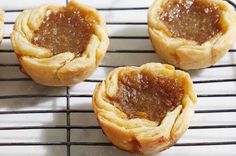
point(142, 95)
point(63, 31)
point(192, 19)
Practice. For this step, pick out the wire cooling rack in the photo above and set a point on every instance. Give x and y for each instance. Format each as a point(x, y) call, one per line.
point(39, 120)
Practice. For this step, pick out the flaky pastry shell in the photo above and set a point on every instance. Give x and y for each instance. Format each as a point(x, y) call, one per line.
point(142, 135)
point(188, 54)
point(1, 24)
point(65, 68)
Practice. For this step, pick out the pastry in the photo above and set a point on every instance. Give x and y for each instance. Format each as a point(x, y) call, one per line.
point(1, 24)
point(59, 46)
point(191, 34)
point(144, 109)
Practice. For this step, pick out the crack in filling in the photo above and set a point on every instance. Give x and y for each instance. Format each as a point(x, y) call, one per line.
point(143, 95)
point(66, 30)
point(194, 20)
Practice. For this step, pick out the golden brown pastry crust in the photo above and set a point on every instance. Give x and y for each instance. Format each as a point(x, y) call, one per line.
point(1, 24)
point(188, 54)
point(142, 135)
point(65, 68)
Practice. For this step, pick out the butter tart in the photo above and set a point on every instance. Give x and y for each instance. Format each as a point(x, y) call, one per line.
point(1, 24)
point(59, 46)
point(145, 109)
point(191, 34)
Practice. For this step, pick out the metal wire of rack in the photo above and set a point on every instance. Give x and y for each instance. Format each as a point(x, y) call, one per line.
point(67, 95)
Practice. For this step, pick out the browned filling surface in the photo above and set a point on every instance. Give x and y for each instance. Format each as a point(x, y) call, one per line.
point(63, 31)
point(142, 95)
point(194, 20)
